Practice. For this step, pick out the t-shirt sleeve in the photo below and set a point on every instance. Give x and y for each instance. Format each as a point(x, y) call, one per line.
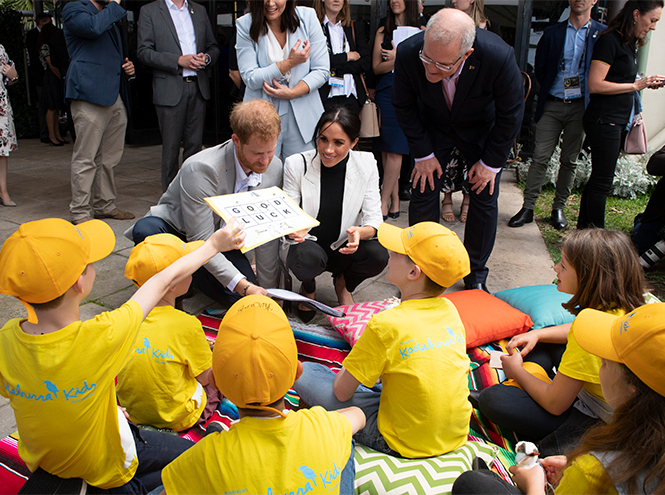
point(368, 358)
point(581, 477)
point(605, 49)
point(181, 475)
point(197, 353)
point(121, 328)
point(579, 364)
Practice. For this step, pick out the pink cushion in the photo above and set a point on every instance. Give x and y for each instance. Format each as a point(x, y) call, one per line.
point(486, 318)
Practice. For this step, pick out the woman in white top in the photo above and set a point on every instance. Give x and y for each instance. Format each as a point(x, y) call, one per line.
point(283, 58)
point(348, 209)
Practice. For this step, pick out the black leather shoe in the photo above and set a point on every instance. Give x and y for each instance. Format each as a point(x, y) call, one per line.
point(476, 286)
point(405, 193)
point(559, 219)
point(523, 216)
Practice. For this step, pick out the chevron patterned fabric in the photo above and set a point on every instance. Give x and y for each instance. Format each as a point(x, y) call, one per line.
point(379, 474)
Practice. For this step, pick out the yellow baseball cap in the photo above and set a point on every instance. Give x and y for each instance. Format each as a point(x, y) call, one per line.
point(154, 254)
point(255, 359)
point(43, 259)
point(635, 339)
point(435, 249)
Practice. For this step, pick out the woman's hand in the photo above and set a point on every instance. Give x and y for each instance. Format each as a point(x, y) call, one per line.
point(553, 466)
point(389, 55)
point(352, 56)
point(278, 90)
point(299, 56)
point(9, 71)
point(525, 342)
point(512, 363)
point(298, 236)
point(531, 481)
point(353, 241)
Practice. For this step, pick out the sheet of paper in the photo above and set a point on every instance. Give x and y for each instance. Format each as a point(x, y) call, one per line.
point(267, 214)
point(404, 32)
point(287, 295)
point(495, 359)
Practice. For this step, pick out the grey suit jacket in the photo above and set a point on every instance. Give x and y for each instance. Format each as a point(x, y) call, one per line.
point(159, 48)
point(212, 172)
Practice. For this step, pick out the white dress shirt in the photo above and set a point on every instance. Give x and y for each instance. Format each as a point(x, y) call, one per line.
point(339, 44)
point(184, 26)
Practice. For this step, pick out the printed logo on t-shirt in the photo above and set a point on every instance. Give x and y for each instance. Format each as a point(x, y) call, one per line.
point(74, 394)
point(157, 354)
point(328, 479)
point(410, 347)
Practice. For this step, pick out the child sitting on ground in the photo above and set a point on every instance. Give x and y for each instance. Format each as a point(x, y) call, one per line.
point(163, 384)
point(270, 450)
point(626, 455)
point(59, 372)
point(601, 270)
point(417, 350)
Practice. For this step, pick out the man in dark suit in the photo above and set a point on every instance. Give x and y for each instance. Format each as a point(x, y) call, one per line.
point(175, 39)
point(456, 86)
point(36, 71)
point(93, 84)
point(563, 59)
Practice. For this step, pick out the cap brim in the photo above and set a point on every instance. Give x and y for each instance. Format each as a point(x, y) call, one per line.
point(101, 237)
point(390, 238)
point(593, 332)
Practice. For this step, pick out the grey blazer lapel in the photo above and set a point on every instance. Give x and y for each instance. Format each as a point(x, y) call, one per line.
point(164, 10)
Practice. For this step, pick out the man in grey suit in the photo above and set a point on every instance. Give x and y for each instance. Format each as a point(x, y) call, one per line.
point(175, 39)
point(247, 161)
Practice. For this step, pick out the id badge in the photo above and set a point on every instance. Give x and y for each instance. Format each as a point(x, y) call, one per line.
point(571, 88)
point(336, 82)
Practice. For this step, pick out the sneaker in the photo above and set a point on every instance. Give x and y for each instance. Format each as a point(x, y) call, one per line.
point(116, 214)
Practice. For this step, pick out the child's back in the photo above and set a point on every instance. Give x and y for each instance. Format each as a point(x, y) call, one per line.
point(418, 349)
point(270, 450)
point(159, 385)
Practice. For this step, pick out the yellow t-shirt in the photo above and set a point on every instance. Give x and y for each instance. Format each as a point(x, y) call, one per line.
point(579, 364)
point(582, 476)
point(62, 388)
point(158, 385)
point(302, 453)
point(418, 349)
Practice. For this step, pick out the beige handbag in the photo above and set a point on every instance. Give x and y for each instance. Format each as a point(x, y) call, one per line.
point(636, 139)
point(370, 116)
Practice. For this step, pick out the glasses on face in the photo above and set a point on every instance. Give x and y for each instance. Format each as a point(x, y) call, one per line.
point(441, 67)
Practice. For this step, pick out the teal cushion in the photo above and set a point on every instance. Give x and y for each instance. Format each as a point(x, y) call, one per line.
point(378, 473)
point(541, 302)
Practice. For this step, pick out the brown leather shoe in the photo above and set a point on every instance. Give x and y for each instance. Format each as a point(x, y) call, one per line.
point(116, 214)
point(81, 220)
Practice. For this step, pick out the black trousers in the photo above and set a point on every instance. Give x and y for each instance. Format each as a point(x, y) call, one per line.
point(480, 229)
point(605, 142)
point(309, 259)
point(202, 279)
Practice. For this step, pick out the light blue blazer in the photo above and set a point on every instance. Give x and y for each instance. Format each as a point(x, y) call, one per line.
point(255, 68)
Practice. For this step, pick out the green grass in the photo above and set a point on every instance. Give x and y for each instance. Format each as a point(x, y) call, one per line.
point(619, 215)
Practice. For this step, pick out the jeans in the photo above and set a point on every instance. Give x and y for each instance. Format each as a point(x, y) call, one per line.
point(154, 451)
point(315, 388)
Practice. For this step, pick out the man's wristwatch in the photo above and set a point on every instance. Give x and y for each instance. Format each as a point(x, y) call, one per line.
point(208, 59)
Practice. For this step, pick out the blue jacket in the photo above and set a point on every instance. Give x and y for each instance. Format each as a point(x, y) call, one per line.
point(95, 49)
point(548, 56)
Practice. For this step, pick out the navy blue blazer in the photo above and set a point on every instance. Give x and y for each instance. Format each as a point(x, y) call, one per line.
point(487, 111)
point(548, 57)
point(95, 49)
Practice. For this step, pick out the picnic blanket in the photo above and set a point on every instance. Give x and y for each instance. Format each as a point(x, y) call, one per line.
point(324, 345)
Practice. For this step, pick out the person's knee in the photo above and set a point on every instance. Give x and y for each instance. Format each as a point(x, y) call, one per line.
point(146, 227)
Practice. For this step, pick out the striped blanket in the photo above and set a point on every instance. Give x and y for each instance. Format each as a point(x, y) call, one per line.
point(317, 344)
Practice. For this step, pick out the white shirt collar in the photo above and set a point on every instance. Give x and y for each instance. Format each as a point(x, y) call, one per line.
point(171, 5)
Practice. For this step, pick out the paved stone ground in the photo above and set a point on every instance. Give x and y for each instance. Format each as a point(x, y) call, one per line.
point(39, 181)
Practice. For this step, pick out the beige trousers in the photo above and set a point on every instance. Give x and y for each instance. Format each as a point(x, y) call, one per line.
point(100, 141)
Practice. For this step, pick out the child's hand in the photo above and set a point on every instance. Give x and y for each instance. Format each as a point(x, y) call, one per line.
point(229, 237)
point(529, 481)
point(511, 362)
point(525, 342)
point(554, 466)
